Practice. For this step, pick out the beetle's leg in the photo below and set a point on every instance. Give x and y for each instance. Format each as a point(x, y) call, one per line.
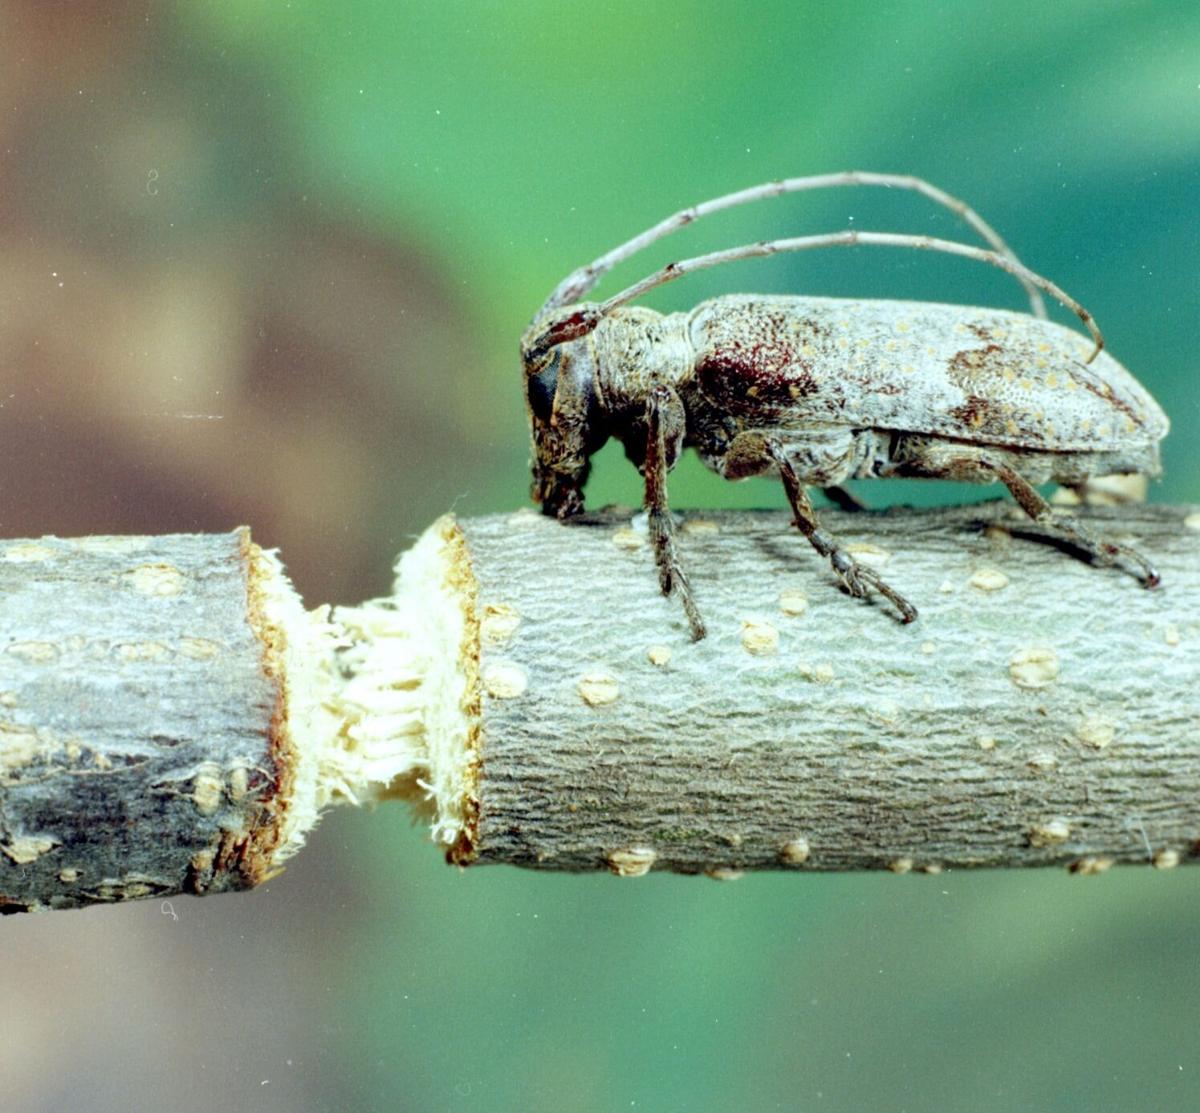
point(856, 578)
point(671, 576)
point(843, 498)
point(1100, 550)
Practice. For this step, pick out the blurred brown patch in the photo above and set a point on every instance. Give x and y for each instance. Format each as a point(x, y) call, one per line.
point(188, 341)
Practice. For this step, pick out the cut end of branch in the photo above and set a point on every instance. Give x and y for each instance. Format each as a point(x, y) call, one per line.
point(402, 694)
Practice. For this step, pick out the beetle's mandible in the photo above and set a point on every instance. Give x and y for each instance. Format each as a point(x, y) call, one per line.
point(821, 390)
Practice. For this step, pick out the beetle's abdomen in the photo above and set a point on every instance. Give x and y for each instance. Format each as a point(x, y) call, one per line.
point(983, 375)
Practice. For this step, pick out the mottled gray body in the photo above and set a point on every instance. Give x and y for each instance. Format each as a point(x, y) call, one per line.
point(855, 388)
point(821, 390)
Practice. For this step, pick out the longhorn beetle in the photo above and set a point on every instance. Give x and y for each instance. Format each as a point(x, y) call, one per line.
point(820, 390)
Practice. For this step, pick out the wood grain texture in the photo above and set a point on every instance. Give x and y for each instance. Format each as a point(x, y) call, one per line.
point(1040, 711)
point(138, 754)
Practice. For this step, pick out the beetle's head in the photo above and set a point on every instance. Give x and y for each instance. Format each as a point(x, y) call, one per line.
point(567, 417)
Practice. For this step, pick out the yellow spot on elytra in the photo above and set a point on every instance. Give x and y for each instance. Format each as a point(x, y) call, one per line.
point(1051, 378)
point(902, 326)
point(1025, 384)
point(1041, 362)
point(1009, 374)
point(1071, 384)
point(1010, 427)
point(1104, 431)
point(1043, 347)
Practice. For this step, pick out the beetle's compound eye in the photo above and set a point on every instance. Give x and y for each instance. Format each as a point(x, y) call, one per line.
point(542, 385)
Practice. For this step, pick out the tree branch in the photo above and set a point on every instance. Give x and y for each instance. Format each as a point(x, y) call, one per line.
point(171, 719)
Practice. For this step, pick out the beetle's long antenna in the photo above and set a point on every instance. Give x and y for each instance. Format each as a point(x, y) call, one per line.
point(582, 281)
point(849, 239)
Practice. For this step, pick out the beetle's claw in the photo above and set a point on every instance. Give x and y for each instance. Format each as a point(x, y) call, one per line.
point(859, 579)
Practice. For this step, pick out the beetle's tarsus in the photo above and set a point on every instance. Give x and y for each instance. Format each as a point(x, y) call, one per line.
point(857, 579)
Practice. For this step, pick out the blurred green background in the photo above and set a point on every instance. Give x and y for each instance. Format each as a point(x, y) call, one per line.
point(268, 263)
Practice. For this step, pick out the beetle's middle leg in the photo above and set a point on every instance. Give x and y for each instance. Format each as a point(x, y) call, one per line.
point(855, 576)
point(664, 436)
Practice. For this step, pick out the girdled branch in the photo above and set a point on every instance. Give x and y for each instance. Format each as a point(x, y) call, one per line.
point(173, 720)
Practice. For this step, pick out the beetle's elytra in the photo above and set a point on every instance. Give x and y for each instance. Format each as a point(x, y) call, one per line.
point(821, 390)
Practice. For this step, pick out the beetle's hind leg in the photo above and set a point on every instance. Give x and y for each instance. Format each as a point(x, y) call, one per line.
point(1101, 550)
point(664, 425)
point(858, 579)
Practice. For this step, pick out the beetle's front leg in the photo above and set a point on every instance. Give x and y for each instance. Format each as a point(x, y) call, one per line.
point(856, 578)
point(665, 426)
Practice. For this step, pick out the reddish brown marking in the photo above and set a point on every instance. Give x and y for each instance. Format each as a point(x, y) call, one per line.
point(1090, 383)
point(976, 413)
point(741, 375)
point(968, 366)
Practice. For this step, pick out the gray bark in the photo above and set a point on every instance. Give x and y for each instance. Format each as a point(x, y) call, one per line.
point(1040, 711)
point(138, 713)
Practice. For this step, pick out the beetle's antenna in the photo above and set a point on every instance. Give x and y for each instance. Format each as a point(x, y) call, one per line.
point(582, 281)
point(850, 238)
